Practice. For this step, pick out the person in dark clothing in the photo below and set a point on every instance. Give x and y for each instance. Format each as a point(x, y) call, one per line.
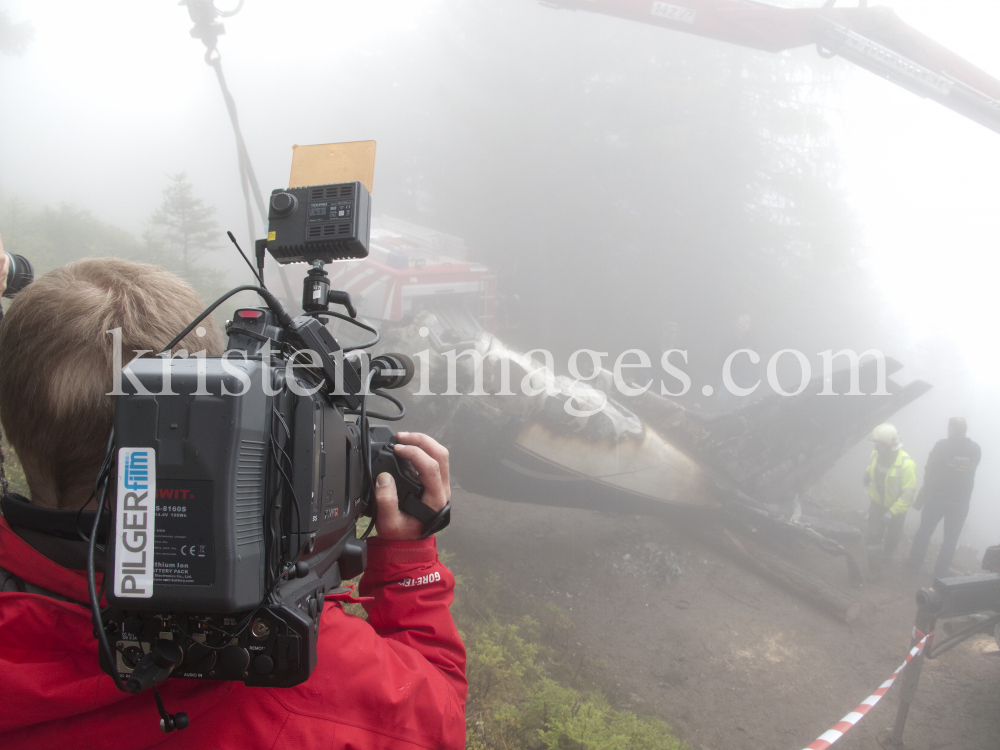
point(947, 490)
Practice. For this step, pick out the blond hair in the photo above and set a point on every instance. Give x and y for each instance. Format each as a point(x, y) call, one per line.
point(56, 362)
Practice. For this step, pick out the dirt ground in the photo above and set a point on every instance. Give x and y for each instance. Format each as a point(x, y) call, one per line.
point(667, 628)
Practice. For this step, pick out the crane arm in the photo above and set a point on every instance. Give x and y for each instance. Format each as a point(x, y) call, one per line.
point(874, 38)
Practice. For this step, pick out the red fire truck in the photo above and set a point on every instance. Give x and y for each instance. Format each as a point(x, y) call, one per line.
point(410, 268)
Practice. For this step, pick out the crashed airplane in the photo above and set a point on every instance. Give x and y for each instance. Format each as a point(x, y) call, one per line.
point(518, 431)
point(632, 454)
point(627, 453)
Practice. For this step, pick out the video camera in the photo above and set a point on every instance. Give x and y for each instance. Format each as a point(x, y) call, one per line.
point(241, 478)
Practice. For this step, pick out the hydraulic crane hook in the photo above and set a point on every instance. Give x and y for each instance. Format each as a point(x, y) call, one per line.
point(203, 15)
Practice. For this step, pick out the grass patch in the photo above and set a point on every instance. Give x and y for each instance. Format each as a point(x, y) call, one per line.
point(520, 693)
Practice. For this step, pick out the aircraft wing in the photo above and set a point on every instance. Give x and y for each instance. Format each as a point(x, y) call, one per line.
point(775, 447)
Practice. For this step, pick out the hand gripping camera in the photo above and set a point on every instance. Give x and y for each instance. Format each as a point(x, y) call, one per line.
point(241, 478)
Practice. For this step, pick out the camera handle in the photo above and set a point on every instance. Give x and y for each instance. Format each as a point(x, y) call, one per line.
point(409, 490)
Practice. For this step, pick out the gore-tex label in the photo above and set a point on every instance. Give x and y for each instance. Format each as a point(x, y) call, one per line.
point(185, 553)
point(135, 527)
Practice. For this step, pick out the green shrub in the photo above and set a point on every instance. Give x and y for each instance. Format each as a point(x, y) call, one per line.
point(514, 704)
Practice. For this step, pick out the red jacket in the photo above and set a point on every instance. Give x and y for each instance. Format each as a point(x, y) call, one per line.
point(396, 681)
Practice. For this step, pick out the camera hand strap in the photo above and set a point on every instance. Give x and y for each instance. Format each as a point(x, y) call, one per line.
point(433, 521)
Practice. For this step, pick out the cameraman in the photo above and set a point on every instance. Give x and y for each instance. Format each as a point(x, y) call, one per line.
point(397, 680)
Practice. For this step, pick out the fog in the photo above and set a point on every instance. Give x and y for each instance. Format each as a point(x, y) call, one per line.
point(614, 175)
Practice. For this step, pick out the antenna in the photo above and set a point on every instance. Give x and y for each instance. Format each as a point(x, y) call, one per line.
point(252, 269)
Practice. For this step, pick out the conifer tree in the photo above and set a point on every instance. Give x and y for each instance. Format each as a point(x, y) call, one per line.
point(182, 232)
point(14, 37)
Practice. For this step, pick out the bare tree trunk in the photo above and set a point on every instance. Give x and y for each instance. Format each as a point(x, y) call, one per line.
point(814, 590)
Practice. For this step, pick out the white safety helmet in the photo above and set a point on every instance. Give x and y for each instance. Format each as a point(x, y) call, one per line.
point(886, 434)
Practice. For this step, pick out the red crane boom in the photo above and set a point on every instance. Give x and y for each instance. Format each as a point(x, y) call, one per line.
point(874, 38)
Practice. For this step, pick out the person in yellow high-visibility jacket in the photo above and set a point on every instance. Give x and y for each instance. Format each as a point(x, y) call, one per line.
point(891, 481)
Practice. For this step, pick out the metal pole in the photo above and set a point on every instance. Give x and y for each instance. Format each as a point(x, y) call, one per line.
point(928, 607)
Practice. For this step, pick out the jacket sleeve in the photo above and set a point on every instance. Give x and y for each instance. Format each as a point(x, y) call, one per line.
point(907, 488)
point(395, 682)
point(412, 592)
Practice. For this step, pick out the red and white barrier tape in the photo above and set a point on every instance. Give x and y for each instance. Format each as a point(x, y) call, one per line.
point(839, 729)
